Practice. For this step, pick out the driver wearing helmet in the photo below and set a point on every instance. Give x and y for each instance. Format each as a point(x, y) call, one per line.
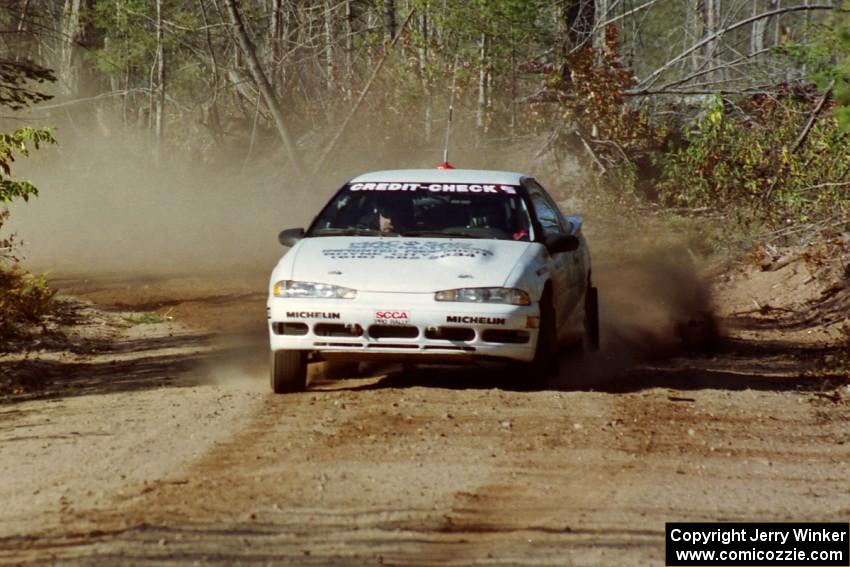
point(394, 215)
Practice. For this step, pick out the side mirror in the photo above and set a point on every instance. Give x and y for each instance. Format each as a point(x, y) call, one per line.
point(562, 243)
point(290, 236)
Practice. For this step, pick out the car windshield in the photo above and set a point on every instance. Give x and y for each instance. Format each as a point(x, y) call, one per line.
point(439, 210)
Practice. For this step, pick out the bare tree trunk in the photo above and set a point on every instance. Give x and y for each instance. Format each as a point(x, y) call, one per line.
point(351, 113)
point(23, 41)
point(652, 77)
point(578, 20)
point(329, 55)
point(262, 82)
point(79, 34)
point(160, 85)
point(349, 48)
point(275, 37)
point(211, 117)
point(423, 72)
point(289, 31)
point(602, 16)
point(694, 26)
point(712, 26)
point(482, 83)
point(757, 33)
point(389, 18)
point(513, 89)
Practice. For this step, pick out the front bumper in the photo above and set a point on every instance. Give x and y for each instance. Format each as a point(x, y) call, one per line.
point(403, 326)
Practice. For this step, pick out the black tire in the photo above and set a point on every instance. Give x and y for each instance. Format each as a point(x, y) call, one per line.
point(591, 320)
point(288, 371)
point(545, 363)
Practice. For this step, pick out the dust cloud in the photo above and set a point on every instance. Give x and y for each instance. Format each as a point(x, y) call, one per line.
point(654, 299)
point(655, 303)
point(107, 208)
point(240, 363)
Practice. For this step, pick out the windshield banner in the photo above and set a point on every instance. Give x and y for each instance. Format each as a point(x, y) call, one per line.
point(436, 188)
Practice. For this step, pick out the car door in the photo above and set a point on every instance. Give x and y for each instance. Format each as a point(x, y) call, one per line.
point(561, 265)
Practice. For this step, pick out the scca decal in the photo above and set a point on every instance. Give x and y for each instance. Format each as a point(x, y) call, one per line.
point(436, 187)
point(391, 315)
point(312, 315)
point(475, 320)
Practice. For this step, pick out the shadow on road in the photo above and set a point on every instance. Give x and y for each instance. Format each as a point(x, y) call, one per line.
point(734, 365)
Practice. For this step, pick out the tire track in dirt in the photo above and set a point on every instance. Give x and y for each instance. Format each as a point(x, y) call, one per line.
point(401, 474)
point(453, 467)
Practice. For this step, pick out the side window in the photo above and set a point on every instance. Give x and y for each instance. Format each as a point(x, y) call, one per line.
point(547, 213)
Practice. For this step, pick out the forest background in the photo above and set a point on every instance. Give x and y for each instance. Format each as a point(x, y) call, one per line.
point(737, 110)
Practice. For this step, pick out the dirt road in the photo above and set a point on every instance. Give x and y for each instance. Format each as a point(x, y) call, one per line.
point(159, 442)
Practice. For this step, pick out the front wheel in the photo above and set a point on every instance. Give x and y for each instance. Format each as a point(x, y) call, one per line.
point(545, 363)
point(288, 371)
point(590, 343)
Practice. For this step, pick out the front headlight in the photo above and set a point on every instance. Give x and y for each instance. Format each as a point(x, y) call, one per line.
point(508, 295)
point(293, 289)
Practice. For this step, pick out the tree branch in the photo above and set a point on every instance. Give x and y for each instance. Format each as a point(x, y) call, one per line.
point(363, 94)
point(814, 115)
point(678, 82)
point(262, 82)
point(655, 74)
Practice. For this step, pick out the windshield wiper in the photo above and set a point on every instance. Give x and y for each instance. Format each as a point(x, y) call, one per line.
point(347, 232)
point(439, 234)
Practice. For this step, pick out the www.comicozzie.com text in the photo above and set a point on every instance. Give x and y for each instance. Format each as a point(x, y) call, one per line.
point(743, 534)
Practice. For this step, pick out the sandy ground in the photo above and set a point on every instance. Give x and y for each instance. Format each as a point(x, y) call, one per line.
point(133, 443)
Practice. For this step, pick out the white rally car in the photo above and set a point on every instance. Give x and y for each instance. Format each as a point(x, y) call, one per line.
point(432, 266)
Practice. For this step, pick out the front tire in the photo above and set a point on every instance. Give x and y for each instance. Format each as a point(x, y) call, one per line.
point(591, 320)
point(545, 362)
point(288, 371)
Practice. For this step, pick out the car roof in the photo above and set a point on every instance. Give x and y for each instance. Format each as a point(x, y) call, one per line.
point(442, 176)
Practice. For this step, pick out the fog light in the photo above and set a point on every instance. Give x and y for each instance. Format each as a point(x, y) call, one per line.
point(532, 322)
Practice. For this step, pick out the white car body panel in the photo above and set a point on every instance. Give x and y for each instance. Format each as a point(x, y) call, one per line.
point(396, 278)
point(387, 264)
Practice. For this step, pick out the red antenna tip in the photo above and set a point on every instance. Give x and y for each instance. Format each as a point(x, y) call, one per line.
point(445, 165)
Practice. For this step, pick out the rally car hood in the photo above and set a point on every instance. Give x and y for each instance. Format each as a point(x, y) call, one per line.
point(404, 264)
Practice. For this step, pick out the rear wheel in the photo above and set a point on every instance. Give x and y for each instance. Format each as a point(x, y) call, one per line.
point(288, 371)
point(590, 343)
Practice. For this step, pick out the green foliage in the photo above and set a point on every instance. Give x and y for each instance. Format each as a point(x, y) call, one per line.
point(594, 102)
point(145, 318)
point(24, 299)
point(15, 77)
point(19, 141)
point(594, 98)
point(508, 22)
point(743, 160)
point(827, 59)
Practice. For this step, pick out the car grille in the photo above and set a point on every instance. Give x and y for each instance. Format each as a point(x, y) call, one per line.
point(450, 334)
point(290, 328)
point(393, 332)
point(337, 330)
point(505, 336)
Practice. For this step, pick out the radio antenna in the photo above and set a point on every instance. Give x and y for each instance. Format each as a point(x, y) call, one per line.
point(445, 164)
